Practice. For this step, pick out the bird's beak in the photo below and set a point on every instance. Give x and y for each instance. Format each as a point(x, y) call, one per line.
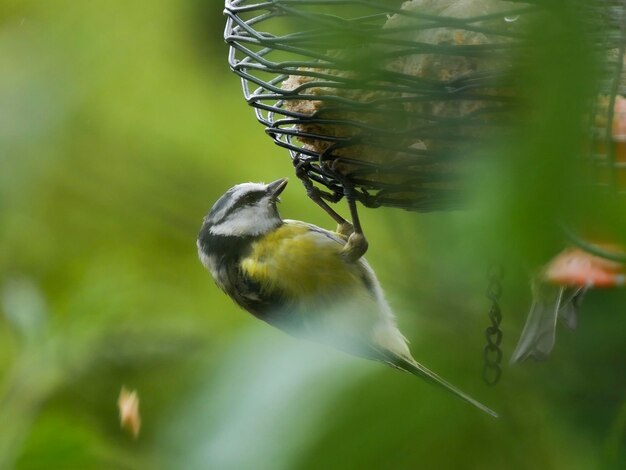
point(276, 187)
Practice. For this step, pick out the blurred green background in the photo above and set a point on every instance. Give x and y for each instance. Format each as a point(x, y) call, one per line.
point(120, 124)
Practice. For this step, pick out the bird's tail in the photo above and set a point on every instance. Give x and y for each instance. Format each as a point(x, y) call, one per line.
point(419, 370)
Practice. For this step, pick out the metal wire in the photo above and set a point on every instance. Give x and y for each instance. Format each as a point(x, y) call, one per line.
point(331, 81)
point(591, 247)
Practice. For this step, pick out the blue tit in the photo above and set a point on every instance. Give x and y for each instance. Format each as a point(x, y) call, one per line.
point(303, 279)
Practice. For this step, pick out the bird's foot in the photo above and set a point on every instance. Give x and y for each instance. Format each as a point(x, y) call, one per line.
point(318, 197)
point(356, 247)
point(345, 229)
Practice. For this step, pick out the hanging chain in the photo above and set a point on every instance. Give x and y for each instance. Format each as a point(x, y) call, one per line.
point(492, 353)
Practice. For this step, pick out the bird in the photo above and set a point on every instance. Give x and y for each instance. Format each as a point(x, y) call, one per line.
point(307, 281)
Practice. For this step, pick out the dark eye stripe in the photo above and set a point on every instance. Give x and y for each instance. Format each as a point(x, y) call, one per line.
point(245, 200)
point(232, 201)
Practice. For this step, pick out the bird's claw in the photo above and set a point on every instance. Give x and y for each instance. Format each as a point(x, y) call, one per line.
point(345, 229)
point(300, 169)
point(356, 247)
point(312, 191)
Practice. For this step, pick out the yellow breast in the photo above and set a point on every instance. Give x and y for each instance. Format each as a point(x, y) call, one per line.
point(298, 261)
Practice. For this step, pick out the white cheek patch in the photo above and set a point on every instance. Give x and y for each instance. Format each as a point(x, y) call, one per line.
point(249, 220)
point(236, 193)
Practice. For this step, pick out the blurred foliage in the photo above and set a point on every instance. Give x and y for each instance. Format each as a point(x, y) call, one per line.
point(120, 124)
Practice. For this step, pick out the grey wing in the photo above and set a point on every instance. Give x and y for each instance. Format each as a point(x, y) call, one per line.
point(347, 321)
point(367, 274)
point(330, 235)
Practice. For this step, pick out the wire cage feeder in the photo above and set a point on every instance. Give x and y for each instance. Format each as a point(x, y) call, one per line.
point(397, 98)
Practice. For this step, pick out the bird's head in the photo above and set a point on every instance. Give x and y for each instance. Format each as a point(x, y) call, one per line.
point(248, 209)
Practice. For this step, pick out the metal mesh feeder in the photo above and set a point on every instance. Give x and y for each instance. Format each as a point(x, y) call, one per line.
point(391, 98)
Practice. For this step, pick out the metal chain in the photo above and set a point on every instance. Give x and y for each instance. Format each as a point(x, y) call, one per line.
point(492, 353)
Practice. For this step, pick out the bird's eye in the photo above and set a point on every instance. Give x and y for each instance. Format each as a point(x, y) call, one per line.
point(249, 198)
